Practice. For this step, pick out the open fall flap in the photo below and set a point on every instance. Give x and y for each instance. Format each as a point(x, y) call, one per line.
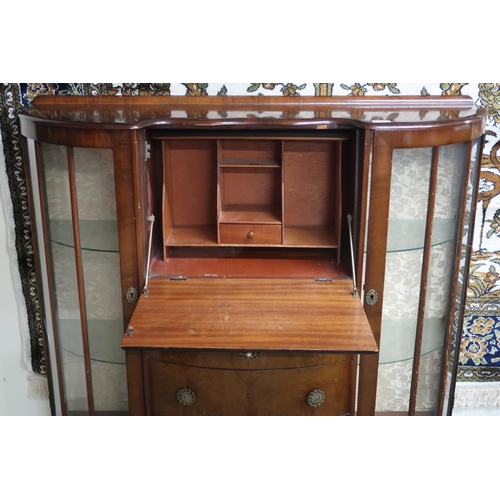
point(255, 314)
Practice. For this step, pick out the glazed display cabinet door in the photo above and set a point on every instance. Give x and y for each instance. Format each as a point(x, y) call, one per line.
point(83, 276)
point(428, 237)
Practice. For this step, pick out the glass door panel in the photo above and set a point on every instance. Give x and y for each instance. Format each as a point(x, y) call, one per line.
point(424, 221)
point(406, 234)
point(94, 174)
point(81, 214)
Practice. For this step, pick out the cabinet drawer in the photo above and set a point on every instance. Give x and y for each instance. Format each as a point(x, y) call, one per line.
point(211, 391)
point(246, 360)
point(250, 234)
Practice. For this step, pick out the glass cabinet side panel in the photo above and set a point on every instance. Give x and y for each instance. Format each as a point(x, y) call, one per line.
point(440, 276)
point(465, 241)
point(95, 188)
point(405, 260)
point(67, 317)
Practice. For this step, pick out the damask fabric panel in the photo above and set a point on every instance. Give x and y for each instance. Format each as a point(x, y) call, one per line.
point(480, 349)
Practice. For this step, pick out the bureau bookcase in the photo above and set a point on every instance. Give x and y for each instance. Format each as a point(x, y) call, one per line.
point(252, 256)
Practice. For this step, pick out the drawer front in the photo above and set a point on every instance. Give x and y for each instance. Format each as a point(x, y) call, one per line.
point(207, 391)
point(250, 234)
point(246, 360)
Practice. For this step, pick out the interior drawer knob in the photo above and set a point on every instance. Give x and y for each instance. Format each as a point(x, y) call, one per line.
point(250, 235)
point(316, 398)
point(249, 355)
point(185, 396)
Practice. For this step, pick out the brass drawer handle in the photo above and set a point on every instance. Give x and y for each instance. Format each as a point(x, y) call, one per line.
point(249, 355)
point(316, 398)
point(185, 396)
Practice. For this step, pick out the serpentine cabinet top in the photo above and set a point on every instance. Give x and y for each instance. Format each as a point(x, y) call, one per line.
point(370, 112)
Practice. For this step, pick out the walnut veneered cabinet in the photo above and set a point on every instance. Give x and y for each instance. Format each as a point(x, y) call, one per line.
point(253, 256)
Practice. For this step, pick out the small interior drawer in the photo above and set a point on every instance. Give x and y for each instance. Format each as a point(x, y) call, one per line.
point(250, 234)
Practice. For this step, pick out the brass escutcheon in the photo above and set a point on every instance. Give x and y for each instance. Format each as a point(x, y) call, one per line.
point(249, 355)
point(371, 297)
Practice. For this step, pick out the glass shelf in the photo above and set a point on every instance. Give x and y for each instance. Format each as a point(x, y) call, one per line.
point(105, 338)
point(408, 234)
point(397, 341)
point(95, 235)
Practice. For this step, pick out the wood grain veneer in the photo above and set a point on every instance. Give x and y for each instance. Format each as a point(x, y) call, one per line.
point(376, 112)
point(236, 360)
point(252, 314)
point(249, 392)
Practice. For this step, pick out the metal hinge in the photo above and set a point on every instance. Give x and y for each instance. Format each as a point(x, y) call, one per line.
point(328, 279)
point(178, 278)
point(148, 150)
